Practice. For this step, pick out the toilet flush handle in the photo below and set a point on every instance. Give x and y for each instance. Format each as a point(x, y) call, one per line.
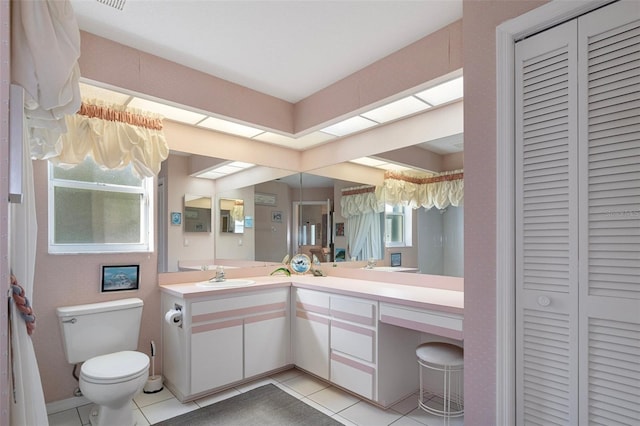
point(71, 320)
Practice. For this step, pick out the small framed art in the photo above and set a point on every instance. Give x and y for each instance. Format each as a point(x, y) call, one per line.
point(176, 218)
point(276, 216)
point(396, 259)
point(120, 277)
point(339, 229)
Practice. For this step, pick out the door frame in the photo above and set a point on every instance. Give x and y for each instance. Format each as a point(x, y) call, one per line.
point(534, 21)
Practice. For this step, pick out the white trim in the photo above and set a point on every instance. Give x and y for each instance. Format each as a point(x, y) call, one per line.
point(507, 33)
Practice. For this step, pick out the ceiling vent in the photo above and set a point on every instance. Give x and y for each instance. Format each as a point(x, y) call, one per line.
point(117, 4)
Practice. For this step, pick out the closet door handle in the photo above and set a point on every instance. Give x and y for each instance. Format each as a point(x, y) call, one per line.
point(544, 301)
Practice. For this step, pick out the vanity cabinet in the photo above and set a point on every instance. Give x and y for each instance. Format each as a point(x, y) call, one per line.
point(225, 339)
point(340, 339)
point(311, 331)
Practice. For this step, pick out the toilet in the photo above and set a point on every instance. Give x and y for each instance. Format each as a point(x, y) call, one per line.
point(103, 336)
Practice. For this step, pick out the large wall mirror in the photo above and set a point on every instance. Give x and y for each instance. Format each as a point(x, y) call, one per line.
point(436, 239)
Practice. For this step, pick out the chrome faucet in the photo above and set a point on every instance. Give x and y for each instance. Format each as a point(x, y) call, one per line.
point(219, 277)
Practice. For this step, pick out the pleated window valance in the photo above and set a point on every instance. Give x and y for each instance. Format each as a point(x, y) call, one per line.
point(360, 200)
point(438, 190)
point(115, 137)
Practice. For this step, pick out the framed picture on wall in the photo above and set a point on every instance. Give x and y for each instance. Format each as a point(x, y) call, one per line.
point(339, 229)
point(396, 259)
point(120, 277)
point(276, 216)
point(176, 218)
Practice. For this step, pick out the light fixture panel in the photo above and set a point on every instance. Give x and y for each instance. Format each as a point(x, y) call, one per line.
point(350, 125)
point(398, 109)
point(230, 127)
point(443, 93)
point(167, 111)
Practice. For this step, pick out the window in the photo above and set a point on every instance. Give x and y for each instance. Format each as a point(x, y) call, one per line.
point(397, 226)
point(92, 210)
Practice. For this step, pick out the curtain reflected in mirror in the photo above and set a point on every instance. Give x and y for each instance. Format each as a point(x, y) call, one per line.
point(231, 216)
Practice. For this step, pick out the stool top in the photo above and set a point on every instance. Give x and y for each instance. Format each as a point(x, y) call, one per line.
point(440, 353)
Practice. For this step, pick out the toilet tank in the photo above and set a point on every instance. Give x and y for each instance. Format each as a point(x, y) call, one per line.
point(99, 328)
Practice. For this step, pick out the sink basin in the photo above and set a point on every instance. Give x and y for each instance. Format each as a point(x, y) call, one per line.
point(234, 282)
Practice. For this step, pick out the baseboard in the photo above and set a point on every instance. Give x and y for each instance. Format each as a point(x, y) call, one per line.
point(66, 404)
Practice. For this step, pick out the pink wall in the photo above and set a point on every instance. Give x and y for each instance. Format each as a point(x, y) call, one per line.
point(63, 280)
point(479, 52)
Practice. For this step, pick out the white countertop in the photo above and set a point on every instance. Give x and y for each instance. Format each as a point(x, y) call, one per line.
point(409, 295)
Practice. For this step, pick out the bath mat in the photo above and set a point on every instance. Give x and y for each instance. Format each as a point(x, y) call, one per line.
point(263, 406)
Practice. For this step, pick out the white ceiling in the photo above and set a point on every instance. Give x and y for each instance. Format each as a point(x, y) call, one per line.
point(287, 49)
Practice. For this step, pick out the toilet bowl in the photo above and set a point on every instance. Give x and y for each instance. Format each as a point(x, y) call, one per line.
point(111, 381)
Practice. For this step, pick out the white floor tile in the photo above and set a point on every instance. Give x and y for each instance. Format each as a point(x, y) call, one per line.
point(139, 418)
point(425, 418)
point(406, 421)
point(365, 414)
point(406, 405)
point(305, 385)
point(286, 375)
point(166, 409)
point(65, 418)
point(334, 399)
point(344, 421)
point(144, 399)
point(84, 410)
point(217, 397)
point(255, 384)
point(318, 407)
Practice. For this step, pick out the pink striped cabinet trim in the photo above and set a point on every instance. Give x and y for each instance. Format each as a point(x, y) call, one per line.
point(216, 326)
point(242, 312)
point(420, 326)
point(312, 308)
point(351, 363)
point(353, 317)
point(353, 328)
point(265, 317)
point(311, 317)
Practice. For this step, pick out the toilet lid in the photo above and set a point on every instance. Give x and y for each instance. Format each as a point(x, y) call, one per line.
point(116, 366)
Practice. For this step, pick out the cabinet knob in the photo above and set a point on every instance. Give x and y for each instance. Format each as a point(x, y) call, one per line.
point(544, 301)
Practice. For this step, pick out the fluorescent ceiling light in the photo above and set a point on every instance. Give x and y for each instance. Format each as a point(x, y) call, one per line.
point(167, 111)
point(443, 93)
point(398, 109)
point(230, 127)
point(350, 125)
point(224, 169)
point(368, 161)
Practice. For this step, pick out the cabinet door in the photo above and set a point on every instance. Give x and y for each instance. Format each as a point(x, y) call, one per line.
point(311, 337)
point(266, 343)
point(216, 355)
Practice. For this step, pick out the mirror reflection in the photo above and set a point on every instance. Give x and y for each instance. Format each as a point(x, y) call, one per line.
point(231, 216)
point(197, 213)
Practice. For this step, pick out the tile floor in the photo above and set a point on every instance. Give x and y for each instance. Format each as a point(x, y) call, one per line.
point(345, 408)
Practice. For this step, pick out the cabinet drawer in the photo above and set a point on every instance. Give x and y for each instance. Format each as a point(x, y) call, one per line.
point(312, 301)
point(239, 306)
point(425, 320)
point(354, 310)
point(353, 340)
point(352, 375)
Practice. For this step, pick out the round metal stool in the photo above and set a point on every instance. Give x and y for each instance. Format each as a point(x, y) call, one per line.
point(441, 379)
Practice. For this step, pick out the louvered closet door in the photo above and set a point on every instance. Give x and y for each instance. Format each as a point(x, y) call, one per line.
point(578, 221)
point(546, 228)
point(609, 157)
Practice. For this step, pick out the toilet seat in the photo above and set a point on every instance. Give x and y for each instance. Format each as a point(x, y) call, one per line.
point(115, 368)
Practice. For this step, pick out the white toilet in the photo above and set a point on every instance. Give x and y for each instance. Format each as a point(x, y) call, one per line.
point(104, 337)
